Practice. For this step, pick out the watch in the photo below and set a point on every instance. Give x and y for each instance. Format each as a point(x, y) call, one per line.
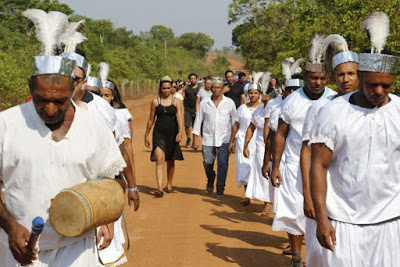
point(133, 189)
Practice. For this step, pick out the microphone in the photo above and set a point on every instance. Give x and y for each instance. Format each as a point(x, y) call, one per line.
point(37, 228)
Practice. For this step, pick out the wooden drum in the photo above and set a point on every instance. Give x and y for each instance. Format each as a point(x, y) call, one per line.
point(83, 207)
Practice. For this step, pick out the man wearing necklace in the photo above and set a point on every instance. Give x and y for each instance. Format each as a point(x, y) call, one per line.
point(216, 114)
point(356, 139)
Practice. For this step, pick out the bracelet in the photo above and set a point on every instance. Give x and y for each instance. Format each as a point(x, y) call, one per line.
point(133, 189)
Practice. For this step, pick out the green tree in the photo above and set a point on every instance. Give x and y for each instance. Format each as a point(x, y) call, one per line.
point(199, 43)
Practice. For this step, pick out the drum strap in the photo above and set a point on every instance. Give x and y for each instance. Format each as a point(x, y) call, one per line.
point(126, 250)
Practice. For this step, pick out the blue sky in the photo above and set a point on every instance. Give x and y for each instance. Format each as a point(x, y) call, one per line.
point(207, 16)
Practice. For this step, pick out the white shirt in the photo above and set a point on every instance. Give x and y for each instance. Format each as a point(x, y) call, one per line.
point(364, 181)
point(294, 111)
point(271, 105)
point(104, 111)
point(274, 116)
point(203, 93)
point(122, 131)
point(312, 115)
point(34, 168)
point(217, 121)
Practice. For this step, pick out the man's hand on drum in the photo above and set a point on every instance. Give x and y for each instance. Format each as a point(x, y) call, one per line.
point(107, 232)
point(134, 197)
point(18, 237)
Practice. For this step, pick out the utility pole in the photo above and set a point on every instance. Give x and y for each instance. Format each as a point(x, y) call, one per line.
point(165, 48)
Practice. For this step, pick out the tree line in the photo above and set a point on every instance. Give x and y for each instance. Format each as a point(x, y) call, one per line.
point(271, 30)
point(148, 55)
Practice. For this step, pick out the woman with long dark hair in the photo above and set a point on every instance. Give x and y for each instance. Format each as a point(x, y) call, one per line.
point(166, 115)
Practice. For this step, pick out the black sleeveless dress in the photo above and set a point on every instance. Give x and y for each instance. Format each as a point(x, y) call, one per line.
point(165, 131)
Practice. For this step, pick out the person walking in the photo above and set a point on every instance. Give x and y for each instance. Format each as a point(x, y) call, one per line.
point(242, 121)
point(165, 114)
point(216, 115)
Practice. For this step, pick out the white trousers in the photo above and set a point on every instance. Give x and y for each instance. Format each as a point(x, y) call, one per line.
point(81, 253)
point(365, 245)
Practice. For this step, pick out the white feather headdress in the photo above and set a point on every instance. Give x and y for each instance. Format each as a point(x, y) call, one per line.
point(71, 37)
point(336, 41)
point(89, 69)
point(377, 25)
point(291, 67)
point(257, 76)
point(104, 70)
point(49, 27)
point(316, 53)
point(266, 77)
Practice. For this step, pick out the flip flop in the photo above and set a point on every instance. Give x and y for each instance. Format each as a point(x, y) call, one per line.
point(166, 190)
point(287, 250)
point(158, 193)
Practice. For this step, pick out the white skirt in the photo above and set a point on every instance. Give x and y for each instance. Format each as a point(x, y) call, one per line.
point(289, 215)
point(116, 248)
point(365, 245)
point(313, 248)
point(243, 164)
point(258, 187)
point(80, 253)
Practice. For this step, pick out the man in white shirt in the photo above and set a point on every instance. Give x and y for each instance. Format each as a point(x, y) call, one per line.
point(345, 66)
point(356, 139)
point(216, 116)
point(289, 214)
point(47, 145)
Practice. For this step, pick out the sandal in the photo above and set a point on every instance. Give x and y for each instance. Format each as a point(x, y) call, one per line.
point(287, 250)
point(166, 190)
point(158, 193)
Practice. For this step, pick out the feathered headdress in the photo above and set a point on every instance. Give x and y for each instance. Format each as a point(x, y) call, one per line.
point(316, 53)
point(89, 69)
point(104, 70)
point(70, 38)
point(291, 67)
point(265, 78)
point(333, 44)
point(315, 63)
point(49, 27)
point(256, 76)
point(377, 25)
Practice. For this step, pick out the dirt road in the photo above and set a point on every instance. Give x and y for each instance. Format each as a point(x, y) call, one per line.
point(190, 227)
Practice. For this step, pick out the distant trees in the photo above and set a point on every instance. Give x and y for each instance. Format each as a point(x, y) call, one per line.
point(131, 57)
point(272, 30)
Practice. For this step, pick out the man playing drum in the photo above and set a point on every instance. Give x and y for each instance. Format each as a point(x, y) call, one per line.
point(44, 149)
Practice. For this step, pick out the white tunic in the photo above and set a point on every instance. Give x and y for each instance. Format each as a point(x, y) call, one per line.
point(290, 216)
point(104, 111)
point(34, 168)
point(364, 181)
point(313, 248)
point(258, 187)
point(243, 164)
point(122, 131)
point(274, 116)
point(272, 104)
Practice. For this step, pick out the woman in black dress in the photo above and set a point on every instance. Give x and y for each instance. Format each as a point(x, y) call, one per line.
point(166, 112)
